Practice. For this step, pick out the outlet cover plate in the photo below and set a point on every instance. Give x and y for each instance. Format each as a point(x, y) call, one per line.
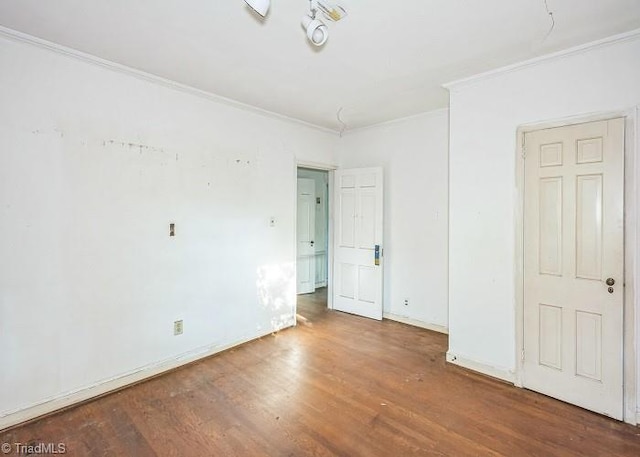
point(178, 327)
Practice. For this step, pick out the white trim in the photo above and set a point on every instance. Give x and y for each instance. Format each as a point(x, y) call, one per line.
point(315, 166)
point(294, 234)
point(330, 236)
point(448, 221)
point(411, 117)
point(494, 372)
point(627, 36)
point(416, 323)
point(633, 377)
point(519, 258)
point(632, 176)
point(630, 330)
point(68, 399)
point(94, 60)
point(582, 118)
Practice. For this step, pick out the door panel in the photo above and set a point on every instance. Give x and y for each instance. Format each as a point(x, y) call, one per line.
point(347, 221)
point(305, 236)
point(589, 345)
point(573, 241)
point(551, 226)
point(367, 284)
point(359, 230)
point(550, 336)
point(589, 227)
point(347, 281)
point(368, 204)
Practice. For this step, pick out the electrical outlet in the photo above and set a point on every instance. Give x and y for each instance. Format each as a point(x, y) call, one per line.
point(406, 302)
point(178, 327)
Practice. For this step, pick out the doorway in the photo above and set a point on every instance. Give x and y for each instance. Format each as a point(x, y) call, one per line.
point(344, 236)
point(312, 234)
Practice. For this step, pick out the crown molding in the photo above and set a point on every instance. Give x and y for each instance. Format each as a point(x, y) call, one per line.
point(615, 39)
point(399, 120)
point(21, 37)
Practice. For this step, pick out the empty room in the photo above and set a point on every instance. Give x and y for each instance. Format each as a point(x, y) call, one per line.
point(320, 228)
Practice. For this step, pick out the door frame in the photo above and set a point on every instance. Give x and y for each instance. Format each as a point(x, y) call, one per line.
point(631, 413)
point(329, 168)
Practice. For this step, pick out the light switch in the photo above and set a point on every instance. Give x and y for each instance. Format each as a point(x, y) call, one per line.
point(272, 221)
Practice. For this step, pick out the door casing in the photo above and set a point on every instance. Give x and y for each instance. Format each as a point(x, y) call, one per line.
point(631, 257)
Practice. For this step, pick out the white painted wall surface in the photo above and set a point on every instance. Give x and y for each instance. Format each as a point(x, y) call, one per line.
point(94, 165)
point(413, 153)
point(485, 114)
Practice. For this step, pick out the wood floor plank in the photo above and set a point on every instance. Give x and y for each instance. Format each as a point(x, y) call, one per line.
point(336, 385)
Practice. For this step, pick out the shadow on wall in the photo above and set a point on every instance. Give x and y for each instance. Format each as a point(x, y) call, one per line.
point(276, 286)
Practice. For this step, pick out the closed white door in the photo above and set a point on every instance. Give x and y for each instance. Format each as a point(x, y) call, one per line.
point(358, 242)
point(573, 264)
point(306, 225)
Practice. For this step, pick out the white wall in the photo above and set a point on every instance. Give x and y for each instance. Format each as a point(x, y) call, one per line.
point(485, 114)
point(321, 179)
point(94, 165)
point(413, 153)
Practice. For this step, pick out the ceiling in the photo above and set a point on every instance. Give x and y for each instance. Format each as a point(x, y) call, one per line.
point(384, 61)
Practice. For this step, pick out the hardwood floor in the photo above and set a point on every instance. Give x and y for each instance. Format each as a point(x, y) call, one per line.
point(336, 385)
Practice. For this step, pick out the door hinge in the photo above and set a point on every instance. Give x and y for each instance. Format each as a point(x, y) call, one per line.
point(522, 356)
point(524, 146)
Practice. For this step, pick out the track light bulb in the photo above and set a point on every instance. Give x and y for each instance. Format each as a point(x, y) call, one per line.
point(317, 31)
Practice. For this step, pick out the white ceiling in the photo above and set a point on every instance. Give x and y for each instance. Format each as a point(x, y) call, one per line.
point(386, 60)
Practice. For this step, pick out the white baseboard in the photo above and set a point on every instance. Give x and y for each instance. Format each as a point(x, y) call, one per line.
point(416, 323)
point(494, 372)
point(70, 398)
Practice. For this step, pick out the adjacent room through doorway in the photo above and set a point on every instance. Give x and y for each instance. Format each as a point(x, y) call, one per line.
point(312, 230)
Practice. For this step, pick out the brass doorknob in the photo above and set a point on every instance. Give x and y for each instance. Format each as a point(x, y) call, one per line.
point(610, 281)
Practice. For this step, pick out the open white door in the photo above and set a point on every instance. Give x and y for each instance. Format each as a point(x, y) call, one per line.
point(358, 242)
point(306, 227)
point(573, 272)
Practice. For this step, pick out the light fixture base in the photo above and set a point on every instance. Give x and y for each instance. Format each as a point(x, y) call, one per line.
point(259, 6)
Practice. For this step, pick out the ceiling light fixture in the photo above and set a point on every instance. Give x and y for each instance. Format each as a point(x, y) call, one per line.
point(259, 6)
point(317, 31)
